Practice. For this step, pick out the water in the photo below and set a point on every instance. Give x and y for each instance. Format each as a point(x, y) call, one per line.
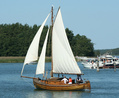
point(104, 84)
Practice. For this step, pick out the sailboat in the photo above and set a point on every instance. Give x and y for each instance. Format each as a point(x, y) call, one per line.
point(63, 60)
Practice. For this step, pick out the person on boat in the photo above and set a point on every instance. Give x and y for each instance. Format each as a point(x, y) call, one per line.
point(65, 80)
point(79, 79)
point(70, 80)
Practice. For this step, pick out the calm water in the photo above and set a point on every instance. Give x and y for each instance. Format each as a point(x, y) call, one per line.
point(104, 84)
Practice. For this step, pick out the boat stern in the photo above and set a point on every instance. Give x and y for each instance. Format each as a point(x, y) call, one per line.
point(87, 85)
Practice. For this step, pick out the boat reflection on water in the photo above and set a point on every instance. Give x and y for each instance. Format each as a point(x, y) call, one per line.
point(68, 94)
point(56, 94)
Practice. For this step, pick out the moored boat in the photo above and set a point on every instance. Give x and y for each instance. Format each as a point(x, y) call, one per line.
point(92, 64)
point(104, 61)
point(109, 61)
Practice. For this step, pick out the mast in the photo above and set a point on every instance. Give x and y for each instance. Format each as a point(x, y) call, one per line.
point(51, 40)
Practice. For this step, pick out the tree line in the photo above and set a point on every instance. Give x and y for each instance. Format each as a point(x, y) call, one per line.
point(107, 51)
point(16, 38)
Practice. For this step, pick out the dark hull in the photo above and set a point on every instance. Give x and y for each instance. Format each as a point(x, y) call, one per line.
point(111, 66)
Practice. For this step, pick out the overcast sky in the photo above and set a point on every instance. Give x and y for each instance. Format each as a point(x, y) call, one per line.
point(98, 20)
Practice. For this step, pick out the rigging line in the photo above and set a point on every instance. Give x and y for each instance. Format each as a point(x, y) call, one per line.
point(28, 82)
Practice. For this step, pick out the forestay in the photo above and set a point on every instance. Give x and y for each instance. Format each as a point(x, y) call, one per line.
point(32, 53)
point(63, 58)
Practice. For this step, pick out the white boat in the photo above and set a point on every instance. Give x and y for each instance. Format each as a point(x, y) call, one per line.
point(90, 63)
point(109, 61)
point(104, 61)
point(116, 61)
point(63, 61)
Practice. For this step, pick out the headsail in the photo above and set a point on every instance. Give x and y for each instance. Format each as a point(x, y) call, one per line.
point(63, 58)
point(32, 53)
point(41, 63)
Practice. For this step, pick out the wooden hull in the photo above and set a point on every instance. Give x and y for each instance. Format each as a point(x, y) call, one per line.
point(58, 85)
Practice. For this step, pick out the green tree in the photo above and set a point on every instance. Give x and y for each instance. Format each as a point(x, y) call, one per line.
point(83, 46)
point(16, 38)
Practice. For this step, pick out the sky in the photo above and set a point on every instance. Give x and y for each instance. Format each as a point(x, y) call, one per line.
point(98, 20)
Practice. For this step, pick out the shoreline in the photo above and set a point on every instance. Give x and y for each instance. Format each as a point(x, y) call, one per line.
point(17, 59)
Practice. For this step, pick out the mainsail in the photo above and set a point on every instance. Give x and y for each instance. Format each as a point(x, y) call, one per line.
point(63, 58)
point(32, 53)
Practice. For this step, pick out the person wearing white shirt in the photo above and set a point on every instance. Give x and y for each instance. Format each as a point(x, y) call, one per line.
point(65, 80)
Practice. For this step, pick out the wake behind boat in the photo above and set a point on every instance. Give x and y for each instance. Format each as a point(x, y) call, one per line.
point(63, 61)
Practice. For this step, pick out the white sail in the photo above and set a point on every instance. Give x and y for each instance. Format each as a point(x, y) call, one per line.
point(41, 63)
point(63, 58)
point(32, 53)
